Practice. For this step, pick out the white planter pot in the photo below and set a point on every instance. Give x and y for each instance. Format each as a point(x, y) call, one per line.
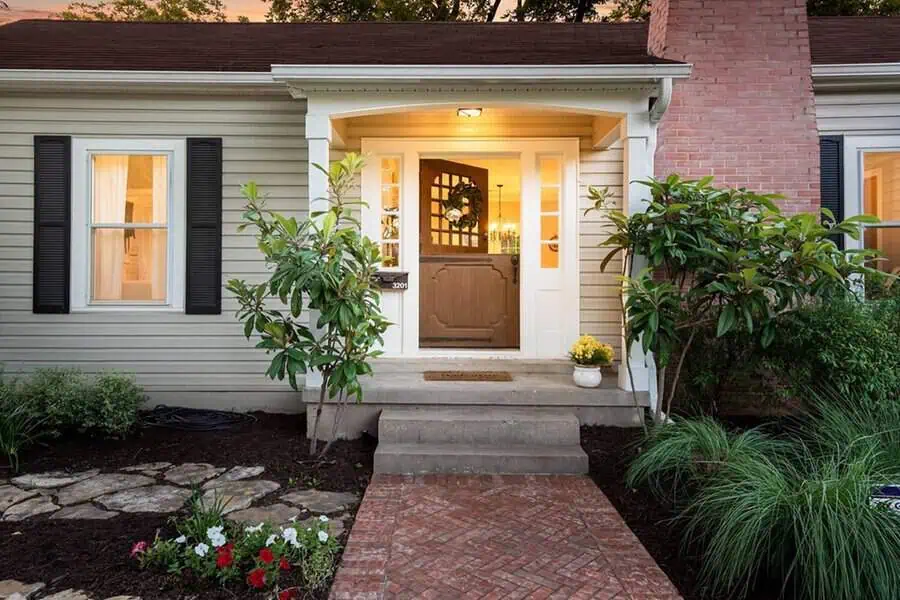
point(587, 377)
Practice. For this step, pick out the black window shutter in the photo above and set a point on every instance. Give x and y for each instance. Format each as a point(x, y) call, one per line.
point(831, 169)
point(203, 294)
point(52, 223)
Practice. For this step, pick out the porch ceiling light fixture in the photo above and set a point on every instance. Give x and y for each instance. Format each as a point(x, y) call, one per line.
point(468, 112)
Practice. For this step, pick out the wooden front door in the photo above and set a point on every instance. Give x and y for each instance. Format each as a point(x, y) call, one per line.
point(468, 298)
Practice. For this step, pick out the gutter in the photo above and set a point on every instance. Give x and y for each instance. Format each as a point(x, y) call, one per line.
point(858, 75)
point(662, 102)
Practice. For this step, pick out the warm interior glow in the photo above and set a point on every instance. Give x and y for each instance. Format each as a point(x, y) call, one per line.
point(468, 112)
point(881, 197)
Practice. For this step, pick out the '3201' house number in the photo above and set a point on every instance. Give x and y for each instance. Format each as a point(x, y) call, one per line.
point(392, 280)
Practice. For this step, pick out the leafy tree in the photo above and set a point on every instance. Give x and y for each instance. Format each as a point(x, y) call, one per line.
point(147, 10)
point(852, 8)
point(721, 257)
point(326, 263)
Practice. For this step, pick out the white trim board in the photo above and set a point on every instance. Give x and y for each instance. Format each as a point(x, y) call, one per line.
point(549, 298)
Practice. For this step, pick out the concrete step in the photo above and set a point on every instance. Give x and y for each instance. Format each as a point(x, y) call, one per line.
point(525, 366)
point(489, 425)
point(463, 458)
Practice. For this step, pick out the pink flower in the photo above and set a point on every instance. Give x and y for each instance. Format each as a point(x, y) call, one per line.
point(139, 548)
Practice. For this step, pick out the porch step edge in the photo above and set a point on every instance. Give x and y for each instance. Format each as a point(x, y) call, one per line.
point(414, 459)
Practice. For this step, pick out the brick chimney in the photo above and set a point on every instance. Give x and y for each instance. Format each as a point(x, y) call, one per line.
point(747, 114)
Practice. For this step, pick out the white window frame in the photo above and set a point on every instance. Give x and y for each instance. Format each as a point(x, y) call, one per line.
point(855, 149)
point(83, 149)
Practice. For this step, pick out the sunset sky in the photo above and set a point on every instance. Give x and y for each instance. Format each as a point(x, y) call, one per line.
point(255, 9)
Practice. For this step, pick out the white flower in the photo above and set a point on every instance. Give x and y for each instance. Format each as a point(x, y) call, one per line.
point(180, 539)
point(289, 534)
point(323, 537)
point(216, 536)
point(254, 529)
point(201, 549)
point(323, 518)
point(271, 539)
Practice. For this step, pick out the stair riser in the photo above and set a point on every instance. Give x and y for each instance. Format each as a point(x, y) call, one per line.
point(500, 433)
point(414, 464)
point(420, 365)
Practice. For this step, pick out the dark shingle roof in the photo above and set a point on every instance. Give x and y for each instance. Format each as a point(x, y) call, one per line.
point(256, 46)
point(41, 44)
point(851, 40)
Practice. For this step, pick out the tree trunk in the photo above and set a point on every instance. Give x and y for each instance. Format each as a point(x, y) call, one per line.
point(314, 438)
point(520, 11)
point(677, 375)
point(660, 388)
point(493, 13)
point(581, 10)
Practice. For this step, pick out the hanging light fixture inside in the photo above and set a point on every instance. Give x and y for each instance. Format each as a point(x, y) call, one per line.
point(468, 112)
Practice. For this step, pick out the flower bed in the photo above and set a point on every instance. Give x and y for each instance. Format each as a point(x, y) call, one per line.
point(94, 556)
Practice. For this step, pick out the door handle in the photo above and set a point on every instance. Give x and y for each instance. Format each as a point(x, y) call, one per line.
point(515, 265)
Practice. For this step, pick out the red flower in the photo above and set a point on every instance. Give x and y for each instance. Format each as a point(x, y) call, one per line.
point(284, 565)
point(266, 556)
point(226, 549)
point(224, 559)
point(257, 578)
point(287, 594)
point(138, 548)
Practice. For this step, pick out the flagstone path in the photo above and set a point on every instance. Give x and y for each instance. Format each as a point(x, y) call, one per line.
point(452, 537)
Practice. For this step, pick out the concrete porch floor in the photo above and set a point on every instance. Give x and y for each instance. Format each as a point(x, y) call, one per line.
point(447, 537)
point(536, 384)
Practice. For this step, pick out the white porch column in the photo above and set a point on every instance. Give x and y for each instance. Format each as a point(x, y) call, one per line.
point(639, 145)
point(318, 140)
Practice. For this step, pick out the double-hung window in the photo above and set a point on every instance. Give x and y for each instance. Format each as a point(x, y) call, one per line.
point(128, 224)
point(881, 197)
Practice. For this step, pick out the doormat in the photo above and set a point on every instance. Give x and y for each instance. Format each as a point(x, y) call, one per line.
point(468, 376)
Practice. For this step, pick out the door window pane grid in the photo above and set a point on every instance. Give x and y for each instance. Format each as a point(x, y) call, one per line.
point(550, 172)
point(390, 224)
point(442, 232)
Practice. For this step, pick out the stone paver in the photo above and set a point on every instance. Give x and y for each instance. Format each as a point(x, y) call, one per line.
point(52, 479)
point(99, 486)
point(145, 468)
point(29, 508)
point(192, 473)
point(156, 499)
point(68, 595)
point(322, 502)
point(238, 495)
point(277, 514)
point(234, 474)
point(87, 512)
point(500, 536)
point(11, 587)
point(10, 494)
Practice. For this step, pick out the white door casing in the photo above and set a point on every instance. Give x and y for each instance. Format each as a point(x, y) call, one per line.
point(549, 298)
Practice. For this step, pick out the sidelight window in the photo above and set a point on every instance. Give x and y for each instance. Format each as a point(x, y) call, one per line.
point(390, 212)
point(550, 172)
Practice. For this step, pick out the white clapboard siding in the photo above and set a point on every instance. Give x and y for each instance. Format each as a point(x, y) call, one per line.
point(171, 353)
point(858, 113)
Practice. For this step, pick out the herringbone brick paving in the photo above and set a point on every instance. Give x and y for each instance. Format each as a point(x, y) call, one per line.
point(450, 537)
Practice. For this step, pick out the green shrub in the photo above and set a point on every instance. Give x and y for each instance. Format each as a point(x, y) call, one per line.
point(59, 396)
point(851, 347)
point(18, 426)
point(116, 399)
point(66, 399)
point(794, 507)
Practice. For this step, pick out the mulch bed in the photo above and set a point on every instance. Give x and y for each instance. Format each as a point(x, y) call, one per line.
point(93, 555)
point(610, 450)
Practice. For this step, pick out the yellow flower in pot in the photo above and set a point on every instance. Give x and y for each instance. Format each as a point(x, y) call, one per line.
point(589, 356)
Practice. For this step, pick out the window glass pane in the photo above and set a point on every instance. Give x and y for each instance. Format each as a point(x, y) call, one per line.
point(550, 228)
point(549, 200)
point(390, 228)
point(390, 255)
point(549, 256)
point(129, 264)
point(129, 189)
point(550, 171)
point(390, 171)
point(887, 240)
point(881, 185)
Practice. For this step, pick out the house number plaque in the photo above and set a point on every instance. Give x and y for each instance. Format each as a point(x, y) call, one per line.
point(392, 280)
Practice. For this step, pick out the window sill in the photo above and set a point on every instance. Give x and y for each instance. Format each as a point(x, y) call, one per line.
point(127, 308)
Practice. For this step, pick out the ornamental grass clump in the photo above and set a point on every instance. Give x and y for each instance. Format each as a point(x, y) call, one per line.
point(588, 352)
point(208, 547)
point(794, 507)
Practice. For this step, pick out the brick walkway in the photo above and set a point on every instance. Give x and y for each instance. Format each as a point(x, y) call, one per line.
point(452, 537)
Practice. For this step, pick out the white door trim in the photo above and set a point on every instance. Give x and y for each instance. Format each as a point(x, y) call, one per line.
point(533, 281)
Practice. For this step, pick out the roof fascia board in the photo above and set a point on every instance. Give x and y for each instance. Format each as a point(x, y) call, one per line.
point(485, 73)
point(856, 76)
point(128, 77)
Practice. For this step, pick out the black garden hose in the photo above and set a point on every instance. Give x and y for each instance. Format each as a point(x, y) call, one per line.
point(194, 419)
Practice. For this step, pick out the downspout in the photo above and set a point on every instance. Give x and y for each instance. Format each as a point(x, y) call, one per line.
point(662, 101)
